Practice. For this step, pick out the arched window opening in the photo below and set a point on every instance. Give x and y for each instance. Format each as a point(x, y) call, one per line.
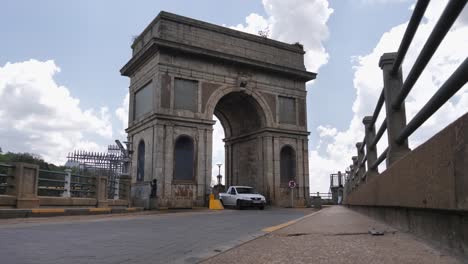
point(287, 164)
point(141, 162)
point(184, 159)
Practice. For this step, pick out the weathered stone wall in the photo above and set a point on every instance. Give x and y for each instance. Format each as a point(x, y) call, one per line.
point(434, 175)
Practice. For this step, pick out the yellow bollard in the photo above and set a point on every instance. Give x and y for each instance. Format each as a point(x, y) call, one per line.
point(215, 204)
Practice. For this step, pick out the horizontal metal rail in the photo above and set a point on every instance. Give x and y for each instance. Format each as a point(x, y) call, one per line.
point(360, 165)
point(7, 165)
point(445, 22)
point(83, 191)
point(53, 172)
point(51, 188)
point(82, 183)
point(413, 25)
point(365, 175)
point(379, 134)
point(52, 180)
point(377, 109)
point(361, 149)
point(454, 83)
point(83, 176)
point(379, 159)
point(363, 162)
point(5, 175)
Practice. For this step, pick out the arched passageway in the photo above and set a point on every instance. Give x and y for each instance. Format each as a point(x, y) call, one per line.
point(242, 119)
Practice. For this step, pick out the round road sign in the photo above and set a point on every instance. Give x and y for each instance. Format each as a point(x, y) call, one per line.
point(292, 184)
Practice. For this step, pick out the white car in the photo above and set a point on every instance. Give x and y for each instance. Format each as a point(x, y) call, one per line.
point(241, 196)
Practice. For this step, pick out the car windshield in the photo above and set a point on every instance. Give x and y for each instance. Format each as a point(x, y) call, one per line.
point(245, 190)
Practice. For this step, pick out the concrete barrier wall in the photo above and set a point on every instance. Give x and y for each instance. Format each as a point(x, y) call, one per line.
point(426, 192)
point(433, 176)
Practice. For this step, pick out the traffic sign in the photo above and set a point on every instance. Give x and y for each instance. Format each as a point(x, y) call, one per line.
point(292, 184)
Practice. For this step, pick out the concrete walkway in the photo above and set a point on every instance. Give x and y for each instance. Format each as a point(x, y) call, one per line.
point(334, 235)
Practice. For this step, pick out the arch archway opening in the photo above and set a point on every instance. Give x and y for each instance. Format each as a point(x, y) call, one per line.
point(239, 118)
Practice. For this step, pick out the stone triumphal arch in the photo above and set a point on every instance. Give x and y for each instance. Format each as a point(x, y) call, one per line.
point(182, 73)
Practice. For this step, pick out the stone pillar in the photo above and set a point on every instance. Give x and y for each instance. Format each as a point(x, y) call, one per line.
point(202, 174)
point(101, 192)
point(26, 183)
point(208, 162)
point(228, 165)
point(396, 119)
point(67, 185)
point(361, 170)
point(126, 188)
point(268, 159)
point(276, 172)
point(371, 152)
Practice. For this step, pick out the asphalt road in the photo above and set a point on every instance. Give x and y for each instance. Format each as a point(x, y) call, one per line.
point(184, 237)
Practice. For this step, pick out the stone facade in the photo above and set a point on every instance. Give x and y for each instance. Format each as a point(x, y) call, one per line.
point(240, 78)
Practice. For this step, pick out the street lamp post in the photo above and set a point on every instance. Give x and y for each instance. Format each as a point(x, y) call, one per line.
point(219, 173)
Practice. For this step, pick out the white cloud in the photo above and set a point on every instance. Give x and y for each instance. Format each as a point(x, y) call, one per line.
point(291, 21)
point(327, 131)
point(41, 117)
point(122, 114)
point(368, 84)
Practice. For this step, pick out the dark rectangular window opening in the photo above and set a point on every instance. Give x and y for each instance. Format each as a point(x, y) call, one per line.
point(186, 94)
point(287, 110)
point(143, 101)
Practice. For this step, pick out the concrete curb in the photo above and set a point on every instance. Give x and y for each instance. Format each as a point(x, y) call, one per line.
point(47, 212)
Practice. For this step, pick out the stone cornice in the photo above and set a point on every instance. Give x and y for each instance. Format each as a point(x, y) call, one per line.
point(140, 123)
point(157, 43)
point(163, 15)
point(264, 131)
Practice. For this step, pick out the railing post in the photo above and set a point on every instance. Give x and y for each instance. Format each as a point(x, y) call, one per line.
point(340, 182)
point(396, 119)
point(353, 171)
point(26, 183)
point(67, 185)
point(371, 152)
point(361, 170)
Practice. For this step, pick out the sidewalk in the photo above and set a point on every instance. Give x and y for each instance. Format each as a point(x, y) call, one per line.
point(334, 235)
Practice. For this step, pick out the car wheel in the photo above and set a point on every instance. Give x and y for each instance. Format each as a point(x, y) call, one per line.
point(238, 205)
point(261, 207)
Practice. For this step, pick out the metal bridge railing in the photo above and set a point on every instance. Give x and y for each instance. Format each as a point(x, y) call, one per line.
point(66, 184)
point(7, 184)
point(395, 91)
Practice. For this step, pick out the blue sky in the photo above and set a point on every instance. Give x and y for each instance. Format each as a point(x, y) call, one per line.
point(90, 41)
